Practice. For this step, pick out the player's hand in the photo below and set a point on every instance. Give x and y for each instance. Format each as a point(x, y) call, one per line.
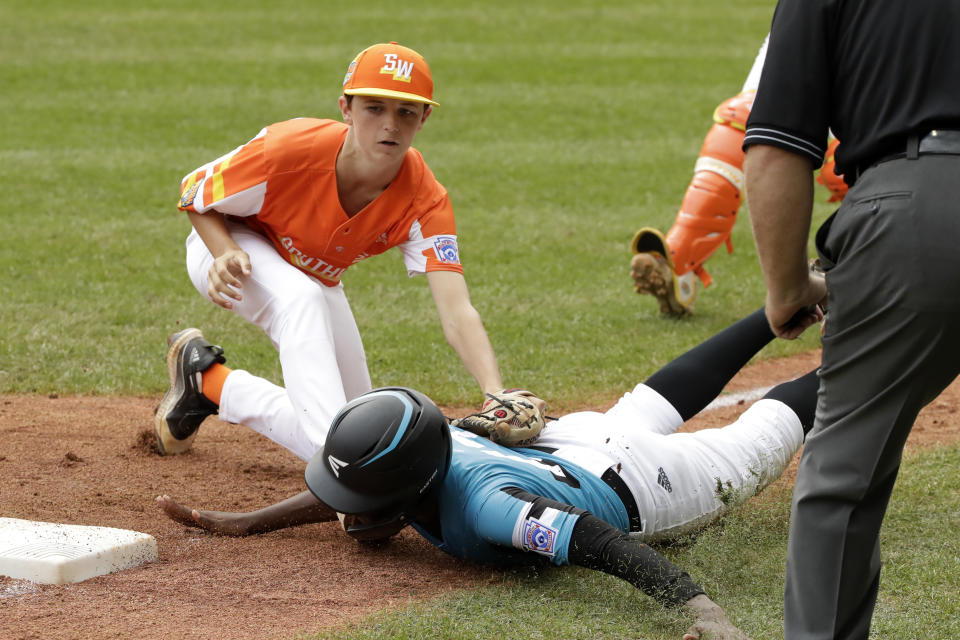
point(711, 621)
point(219, 522)
point(789, 313)
point(714, 630)
point(224, 278)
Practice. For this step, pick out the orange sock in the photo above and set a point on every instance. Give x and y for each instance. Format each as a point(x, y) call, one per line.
point(213, 379)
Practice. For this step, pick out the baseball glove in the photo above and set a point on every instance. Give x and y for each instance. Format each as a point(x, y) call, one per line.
point(512, 417)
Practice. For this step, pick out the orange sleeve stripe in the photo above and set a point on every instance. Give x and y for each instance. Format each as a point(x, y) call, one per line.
point(443, 266)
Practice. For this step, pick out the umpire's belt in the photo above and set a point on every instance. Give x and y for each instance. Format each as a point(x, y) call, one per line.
point(937, 141)
point(615, 482)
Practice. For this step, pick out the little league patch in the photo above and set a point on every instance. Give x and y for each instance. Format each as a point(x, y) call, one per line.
point(446, 249)
point(539, 538)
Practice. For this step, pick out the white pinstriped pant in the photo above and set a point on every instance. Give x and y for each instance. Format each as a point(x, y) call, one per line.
point(314, 331)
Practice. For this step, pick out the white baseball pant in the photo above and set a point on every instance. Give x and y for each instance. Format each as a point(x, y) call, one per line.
point(315, 334)
point(680, 481)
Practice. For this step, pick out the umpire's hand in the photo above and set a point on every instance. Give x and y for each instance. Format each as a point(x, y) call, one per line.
point(790, 312)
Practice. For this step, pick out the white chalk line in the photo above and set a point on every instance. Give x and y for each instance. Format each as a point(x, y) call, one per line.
point(732, 399)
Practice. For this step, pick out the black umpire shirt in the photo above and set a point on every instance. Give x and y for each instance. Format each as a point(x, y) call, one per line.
point(872, 71)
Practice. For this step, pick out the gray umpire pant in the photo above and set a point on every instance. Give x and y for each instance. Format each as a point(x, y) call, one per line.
point(891, 344)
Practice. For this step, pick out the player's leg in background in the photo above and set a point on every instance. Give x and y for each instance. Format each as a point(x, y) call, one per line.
point(709, 207)
point(688, 383)
point(666, 267)
point(693, 380)
point(800, 395)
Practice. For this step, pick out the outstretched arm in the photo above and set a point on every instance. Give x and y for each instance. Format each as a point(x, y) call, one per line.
point(595, 544)
point(302, 508)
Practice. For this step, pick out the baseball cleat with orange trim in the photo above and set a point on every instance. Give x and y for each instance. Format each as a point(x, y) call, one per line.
point(184, 407)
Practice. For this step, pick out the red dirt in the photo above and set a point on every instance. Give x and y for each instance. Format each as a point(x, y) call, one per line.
point(91, 460)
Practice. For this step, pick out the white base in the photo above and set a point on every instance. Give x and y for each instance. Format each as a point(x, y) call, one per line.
point(53, 553)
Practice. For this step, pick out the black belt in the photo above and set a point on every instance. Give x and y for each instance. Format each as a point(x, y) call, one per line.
point(937, 141)
point(615, 482)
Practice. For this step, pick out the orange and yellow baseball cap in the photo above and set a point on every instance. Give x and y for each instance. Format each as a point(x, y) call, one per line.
point(390, 71)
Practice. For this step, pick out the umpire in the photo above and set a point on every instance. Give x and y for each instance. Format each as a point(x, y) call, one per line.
point(884, 75)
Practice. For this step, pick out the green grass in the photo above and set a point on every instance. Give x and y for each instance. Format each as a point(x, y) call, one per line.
point(563, 128)
point(740, 563)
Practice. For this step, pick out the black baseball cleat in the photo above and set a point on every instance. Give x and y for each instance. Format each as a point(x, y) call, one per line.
point(184, 406)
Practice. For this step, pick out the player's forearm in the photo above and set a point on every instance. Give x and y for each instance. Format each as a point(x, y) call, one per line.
point(302, 508)
point(780, 197)
point(212, 229)
point(595, 544)
point(463, 328)
point(469, 340)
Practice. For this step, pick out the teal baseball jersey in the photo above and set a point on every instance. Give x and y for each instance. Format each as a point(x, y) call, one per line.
point(487, 510)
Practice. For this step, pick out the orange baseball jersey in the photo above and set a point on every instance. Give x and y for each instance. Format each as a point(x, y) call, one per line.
point(283, 183)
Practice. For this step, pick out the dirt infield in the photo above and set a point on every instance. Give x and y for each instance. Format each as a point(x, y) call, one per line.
point(91, 460)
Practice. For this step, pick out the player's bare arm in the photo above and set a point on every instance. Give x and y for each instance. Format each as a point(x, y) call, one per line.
point(464, 329)
point(780, 185)
point(466, 334)
point(231, 263)
point(302, 508)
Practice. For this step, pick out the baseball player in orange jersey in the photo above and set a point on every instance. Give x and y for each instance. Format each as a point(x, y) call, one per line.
point(667, 267)
point(278, 220)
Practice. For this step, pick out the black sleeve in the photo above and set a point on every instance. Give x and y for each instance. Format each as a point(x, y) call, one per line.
point(791, 108)
point(598, 545)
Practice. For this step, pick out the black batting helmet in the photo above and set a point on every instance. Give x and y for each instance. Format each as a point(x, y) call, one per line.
point(384, 451)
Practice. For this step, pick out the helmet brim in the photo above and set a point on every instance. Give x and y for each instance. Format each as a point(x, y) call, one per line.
point(324, 485)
